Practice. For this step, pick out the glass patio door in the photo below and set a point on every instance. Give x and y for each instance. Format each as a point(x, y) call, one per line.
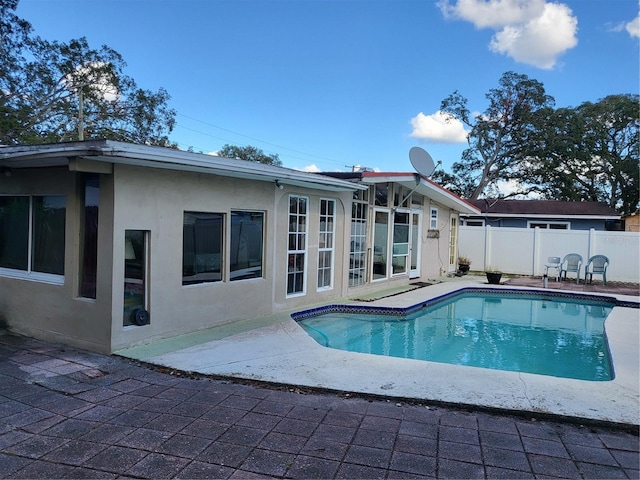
point(379, 261)
point(416, 244)
point(401, 228)
point(453, 242)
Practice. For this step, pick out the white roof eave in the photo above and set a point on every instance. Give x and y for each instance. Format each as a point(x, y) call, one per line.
point(428, 189)
point(585, 216)
point(159, 157)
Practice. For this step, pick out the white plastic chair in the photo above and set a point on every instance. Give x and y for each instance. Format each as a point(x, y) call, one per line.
point(553, 263)
point(597, 265)
point(571, 263)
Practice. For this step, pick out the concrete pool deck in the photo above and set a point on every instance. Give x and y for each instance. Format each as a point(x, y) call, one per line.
point(275, 349)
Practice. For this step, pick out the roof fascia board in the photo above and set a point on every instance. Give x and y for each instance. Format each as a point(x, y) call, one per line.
point(425, 187)
point(160, 157)
point(542, 216)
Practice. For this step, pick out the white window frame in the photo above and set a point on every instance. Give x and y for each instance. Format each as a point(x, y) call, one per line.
point(400, 250)
point(433, 218)
point(329, 233)
point(358, 245)
point(534, 224)
point(301, 237)
point(466, 221)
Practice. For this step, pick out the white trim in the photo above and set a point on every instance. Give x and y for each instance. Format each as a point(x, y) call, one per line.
point(387, 212)
point(113, 152)
point(49, 278)
point(331, 249)
point(542, 216)
point(466, 220)
point(433, 210)
point(567, 224)
point(305, 251)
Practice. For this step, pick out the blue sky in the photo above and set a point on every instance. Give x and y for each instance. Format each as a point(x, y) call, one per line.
point(327, 84)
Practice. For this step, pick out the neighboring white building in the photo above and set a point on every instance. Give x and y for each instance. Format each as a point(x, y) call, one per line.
point(105, 245)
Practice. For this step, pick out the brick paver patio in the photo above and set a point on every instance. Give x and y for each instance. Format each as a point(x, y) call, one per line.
point(67, 413)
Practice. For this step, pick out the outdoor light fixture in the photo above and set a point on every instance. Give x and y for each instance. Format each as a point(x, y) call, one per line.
point(279, 185)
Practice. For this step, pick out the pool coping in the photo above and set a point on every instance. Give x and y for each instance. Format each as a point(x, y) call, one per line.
point(279, 351)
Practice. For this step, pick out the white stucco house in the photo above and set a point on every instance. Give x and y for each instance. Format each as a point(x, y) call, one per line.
point(105, 245)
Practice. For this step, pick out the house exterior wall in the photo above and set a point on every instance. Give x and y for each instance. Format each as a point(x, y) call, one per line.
point(435, 251)
point(51, 311)
point(155, 201)
point(574, 224)
point(632, 223)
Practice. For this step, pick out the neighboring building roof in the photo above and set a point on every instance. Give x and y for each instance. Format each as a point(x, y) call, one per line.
point(411, 180)
point(111, 152)
point(545, 209)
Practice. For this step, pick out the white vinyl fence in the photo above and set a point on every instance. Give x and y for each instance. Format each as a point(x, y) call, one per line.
point(524, 251)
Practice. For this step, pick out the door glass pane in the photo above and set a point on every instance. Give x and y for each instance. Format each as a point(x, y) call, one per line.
point(415, 240)
point(357, 252)
point(453, 241)
point(135, 266)
point(400, 242)
point(380, 245)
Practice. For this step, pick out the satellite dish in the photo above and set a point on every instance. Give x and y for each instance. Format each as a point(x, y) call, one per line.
point(421, 161)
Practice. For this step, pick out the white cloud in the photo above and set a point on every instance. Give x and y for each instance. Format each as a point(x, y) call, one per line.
point(310, 168)
point(633, 27)
point(540, 41)
point(91, 75)
point(493, 13)
point(529, 31)
point(438, 127)
point(508, 187)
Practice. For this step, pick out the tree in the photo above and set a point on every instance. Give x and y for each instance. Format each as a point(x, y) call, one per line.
point(251, 154)
point(499, 139)
point(592, 153)
point(54, 91)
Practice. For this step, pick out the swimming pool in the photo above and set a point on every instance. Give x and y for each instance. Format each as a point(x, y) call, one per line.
point(531, 333)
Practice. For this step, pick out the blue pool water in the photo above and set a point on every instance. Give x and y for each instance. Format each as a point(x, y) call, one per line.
point(561, 337)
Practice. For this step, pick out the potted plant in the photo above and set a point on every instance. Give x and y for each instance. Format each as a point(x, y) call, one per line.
point(493, 275)
point(464, 264)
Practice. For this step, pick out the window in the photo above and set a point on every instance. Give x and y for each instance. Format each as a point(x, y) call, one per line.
point(474, 223)
point(433, 221)
point(358, 249)
point(326, 243)
point(453, 240)
point(247, 232)
point(136, 257)
point(89, 236)
point(380, 244)
point(297, 246)
point(202, 247)
point(32, 237)
point(381, 194)
point(550, 225)
point(400, 196)
point(400, 247)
